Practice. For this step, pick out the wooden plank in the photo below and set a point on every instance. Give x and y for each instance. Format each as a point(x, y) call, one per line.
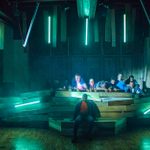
point(8, 100)
point(112, 108)
point(92, 95)
point(116, 114)
point(36, 94)
point(142, 100)
point(120, 125)
point(118, 108)
point(101, 126)
point(125, 102)
point(26, 118)
point(55, 124)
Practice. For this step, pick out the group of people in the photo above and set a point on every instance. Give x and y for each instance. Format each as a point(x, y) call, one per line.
point(86, 111)
point(129, 85)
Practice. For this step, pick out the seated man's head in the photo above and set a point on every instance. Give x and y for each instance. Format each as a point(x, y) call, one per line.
point(77, 78)
point(131, 77)
point(112, 81)
point(120, 76)
point(131, 84)
point(103, 84)
point(84, 97)
point(91, 82)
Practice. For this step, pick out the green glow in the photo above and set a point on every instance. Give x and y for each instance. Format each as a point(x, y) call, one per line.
point(86, 6)
point(31, 25)
point(86, 32)
point(96, 31)
point(54, 27)
point(124, 28)
point(1, 35)
point(145, 143)
point(25, 104)
point(49, 29)
point(147, 111)
point(25, 143)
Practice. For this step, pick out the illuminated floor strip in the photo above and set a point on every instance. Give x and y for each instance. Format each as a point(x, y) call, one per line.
point(25, 104)
point(147, 111)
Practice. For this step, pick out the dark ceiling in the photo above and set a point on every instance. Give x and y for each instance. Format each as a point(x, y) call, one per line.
point(11, 8)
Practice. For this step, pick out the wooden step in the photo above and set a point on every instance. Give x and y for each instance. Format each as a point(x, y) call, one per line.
point(93, 95)
point(102, 126)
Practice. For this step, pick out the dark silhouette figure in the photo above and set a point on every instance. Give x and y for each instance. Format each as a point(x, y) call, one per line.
point(86, 111)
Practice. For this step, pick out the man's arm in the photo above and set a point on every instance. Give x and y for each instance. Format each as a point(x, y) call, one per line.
point(76, 110)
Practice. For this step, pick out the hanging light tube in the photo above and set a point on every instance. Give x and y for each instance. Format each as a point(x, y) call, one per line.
point(124, 29)
point(31, 24)
point(86, 31)
point(49, 29)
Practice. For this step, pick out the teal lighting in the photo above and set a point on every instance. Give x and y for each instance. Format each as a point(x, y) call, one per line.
point(25, 104)
point(124, 29)
point(24, 143)
point(147, 111)
point(54, 26)
point(49, 29)
point(30, 26)
point(86, 8)
point(1, 35)
point(86, 31)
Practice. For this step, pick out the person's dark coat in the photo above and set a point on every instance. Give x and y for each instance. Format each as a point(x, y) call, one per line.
point(92, 109)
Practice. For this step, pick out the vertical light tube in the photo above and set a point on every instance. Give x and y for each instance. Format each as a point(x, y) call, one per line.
point(54, 26)
point(2, 27)
point(124, 29)
point(86, 32)
point(49, 29)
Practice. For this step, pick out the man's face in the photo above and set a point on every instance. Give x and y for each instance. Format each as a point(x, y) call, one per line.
point(119, 76)
point(131, 78)
point(77, 78)
point(92, 82)
point(131, 84)
point(84, 97)
point(112, 81)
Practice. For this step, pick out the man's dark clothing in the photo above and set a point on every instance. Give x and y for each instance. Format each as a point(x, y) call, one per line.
point(85, 113)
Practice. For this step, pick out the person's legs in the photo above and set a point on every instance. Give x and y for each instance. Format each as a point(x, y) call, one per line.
point(90, 121)
point(76, 126)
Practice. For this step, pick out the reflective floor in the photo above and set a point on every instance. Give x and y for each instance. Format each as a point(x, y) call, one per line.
point(38, 139)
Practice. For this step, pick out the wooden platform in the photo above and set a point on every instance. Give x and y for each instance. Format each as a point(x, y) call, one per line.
point(61, 106)
point(93, 95)
point(25, 114)
point(102, 126)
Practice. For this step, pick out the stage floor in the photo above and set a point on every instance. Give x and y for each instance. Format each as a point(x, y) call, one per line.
point(42, 139)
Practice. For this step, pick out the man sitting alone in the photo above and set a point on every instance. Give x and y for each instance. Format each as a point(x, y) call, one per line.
point(86, 111)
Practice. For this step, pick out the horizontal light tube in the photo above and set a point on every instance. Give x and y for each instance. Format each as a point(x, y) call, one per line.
point(25, 104)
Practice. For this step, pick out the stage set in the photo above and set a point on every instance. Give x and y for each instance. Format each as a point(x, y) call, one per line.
point(118, 111)
point(52, 52)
